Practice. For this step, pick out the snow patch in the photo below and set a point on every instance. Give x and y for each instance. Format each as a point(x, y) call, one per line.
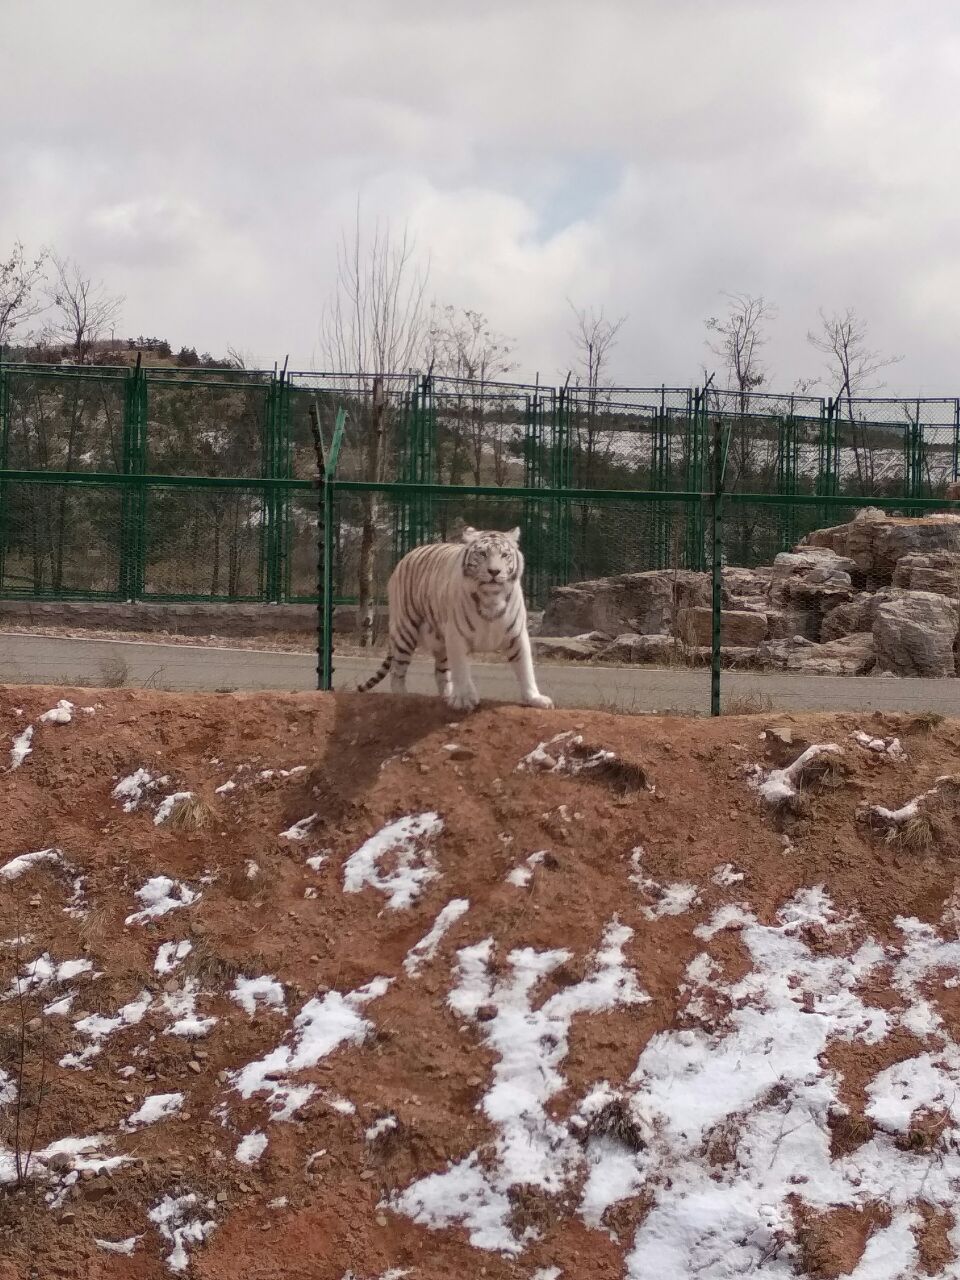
point(300, 830)
point(17, 867)
point(779, 785)
point(125, 1247)
point(171, 954)
point(250, 1148)
point(403, 841)
point(247, 991)
point(531, 1041)
point(96, 1028)
point(554, 756)
point(158, 1107)
point(669, 899)
point(890, 747)
point(322, 1025)
point(62, 713)
point(20, 747)
point(170, 1216)
point(521, 876)
point(160, 895)
point(182, 1006)
point(131, 791)
point(168, 803)
point(425, 950)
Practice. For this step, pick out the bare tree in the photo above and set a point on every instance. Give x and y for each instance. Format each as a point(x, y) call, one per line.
point(738, 338)
point(83, 312)
point(462, 347)
point(19, 278)
point(852, 368)
point(374, 325)
point(594, 337)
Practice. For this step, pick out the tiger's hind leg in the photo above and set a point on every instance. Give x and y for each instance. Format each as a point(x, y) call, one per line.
point(441, 667)
point(403, 643)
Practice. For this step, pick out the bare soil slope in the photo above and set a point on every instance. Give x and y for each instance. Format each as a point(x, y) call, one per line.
point(307, 986)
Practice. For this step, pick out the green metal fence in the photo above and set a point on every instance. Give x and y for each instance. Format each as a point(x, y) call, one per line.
point(165, 484)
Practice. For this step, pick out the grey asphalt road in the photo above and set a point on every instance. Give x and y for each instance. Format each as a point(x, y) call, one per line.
point(31, 659)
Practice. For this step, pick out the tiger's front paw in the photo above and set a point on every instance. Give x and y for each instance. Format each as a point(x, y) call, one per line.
point(463, 699)
point(539, 700)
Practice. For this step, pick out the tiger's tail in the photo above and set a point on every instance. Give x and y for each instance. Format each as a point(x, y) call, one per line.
point(378, 675)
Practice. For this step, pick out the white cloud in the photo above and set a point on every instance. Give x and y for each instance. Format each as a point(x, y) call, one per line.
point(639, 154)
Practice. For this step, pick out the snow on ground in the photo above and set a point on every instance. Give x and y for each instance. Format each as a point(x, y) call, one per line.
point(248, 991)
point(96, 1027)
point(20, 747)
point(17, 867)
point(405, 843)
point(322, 1025)
point(251, 1148)
point(300, 830)
point(531, 1149)
point(171, 954)
point(181, 1005)
point(133, 789)
point(125, 1247)
point(557, 755)
point(172, 1218)
point(167, 805)
point(890, 747)
point(160, 895)
point(521, 876)
point(158, 1107)
point(669, 899)
point(778, 785)
point(62, 713)
point(423, 952)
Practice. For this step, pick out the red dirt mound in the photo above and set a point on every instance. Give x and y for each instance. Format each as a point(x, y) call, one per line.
point(315, 986)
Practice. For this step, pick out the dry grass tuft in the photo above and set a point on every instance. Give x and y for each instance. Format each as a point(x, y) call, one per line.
point(192, 813)
point(747, 704)
point(614, 1120)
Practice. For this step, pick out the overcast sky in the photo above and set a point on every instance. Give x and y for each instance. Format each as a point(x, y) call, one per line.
point(201, 156)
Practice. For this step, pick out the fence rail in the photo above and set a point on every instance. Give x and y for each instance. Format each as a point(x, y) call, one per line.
point(166, 484)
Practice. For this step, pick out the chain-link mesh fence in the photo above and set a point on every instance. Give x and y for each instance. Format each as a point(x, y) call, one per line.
point(192, 485)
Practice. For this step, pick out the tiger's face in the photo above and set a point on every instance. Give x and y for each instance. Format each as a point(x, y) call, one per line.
point(492, 562)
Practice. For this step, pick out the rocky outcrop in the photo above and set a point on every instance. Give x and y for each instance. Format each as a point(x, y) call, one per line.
point(853, 655)
point(737, 627)
point(876, 542)
point(915, 634)
point(810, 611)
point(937, 571)
point(642, 603)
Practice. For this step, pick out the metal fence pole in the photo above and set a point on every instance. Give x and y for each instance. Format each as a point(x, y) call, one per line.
point(721, 446)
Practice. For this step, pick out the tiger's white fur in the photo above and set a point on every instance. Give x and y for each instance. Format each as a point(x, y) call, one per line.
point(458, 599)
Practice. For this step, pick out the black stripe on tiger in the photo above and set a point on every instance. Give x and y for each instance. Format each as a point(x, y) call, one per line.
point(378, 675)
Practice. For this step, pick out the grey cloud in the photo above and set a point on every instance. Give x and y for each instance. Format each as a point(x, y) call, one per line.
point(647, 156)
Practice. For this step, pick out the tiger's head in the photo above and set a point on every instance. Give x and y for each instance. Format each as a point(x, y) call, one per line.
point(492, 561)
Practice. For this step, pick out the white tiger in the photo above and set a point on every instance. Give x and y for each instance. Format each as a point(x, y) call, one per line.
point(460, 598)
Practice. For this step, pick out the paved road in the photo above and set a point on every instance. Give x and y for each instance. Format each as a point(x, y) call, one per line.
point(30, 659)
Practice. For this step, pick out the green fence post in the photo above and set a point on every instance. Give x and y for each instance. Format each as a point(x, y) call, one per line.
point(721, 445)
point(327, 489)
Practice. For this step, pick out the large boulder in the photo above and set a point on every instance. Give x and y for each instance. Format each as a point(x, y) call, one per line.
point(737, 627)
point(633, 648)
point(877, 542)
point(937, 571)
point(644, 603)
point(852, 655)
point(915, 634)
point(745, 583)
point(811, 573)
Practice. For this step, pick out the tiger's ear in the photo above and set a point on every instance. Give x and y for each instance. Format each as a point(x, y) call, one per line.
point(513, 534)
point(468, 533)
